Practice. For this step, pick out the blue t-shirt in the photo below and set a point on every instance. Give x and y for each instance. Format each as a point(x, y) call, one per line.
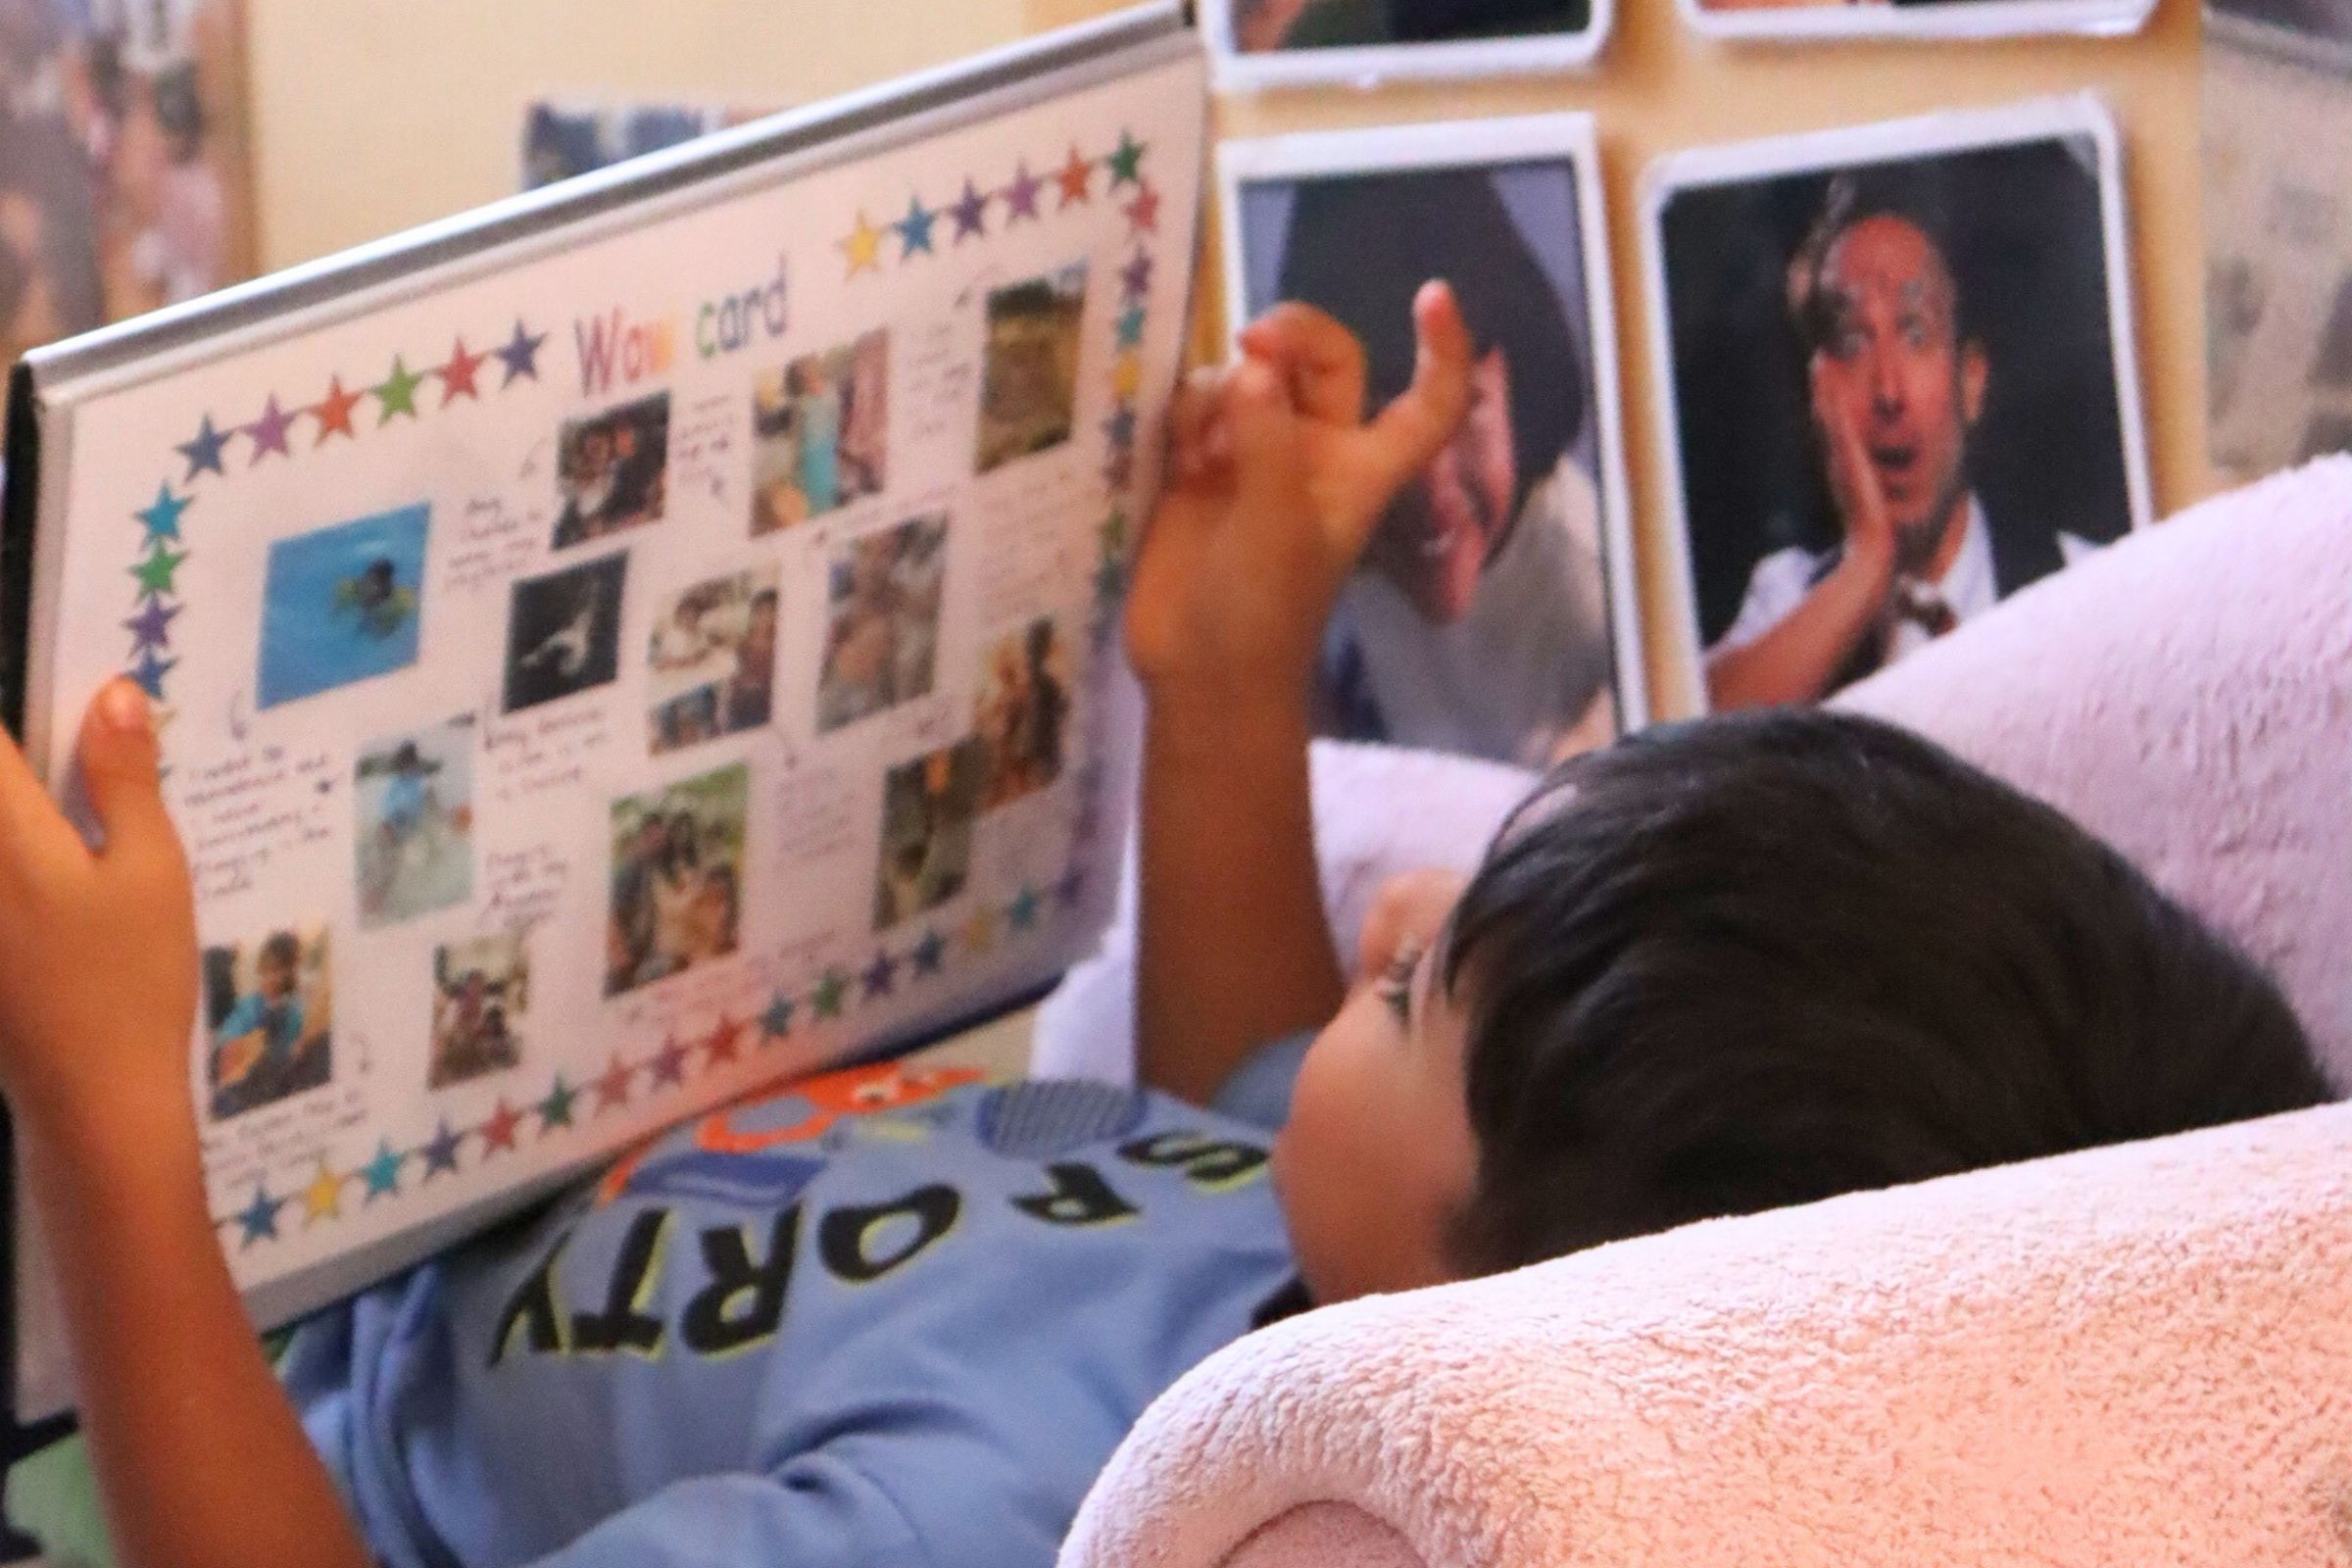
point(891, 1317)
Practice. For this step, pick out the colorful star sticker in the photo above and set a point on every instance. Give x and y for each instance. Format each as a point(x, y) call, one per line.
point(970, 212)
point(499, 1131)
point(1115, 533)
point(613, 1086)
point(1088, 825)
point(1111, 581)
point(776, 1022)
point(863, 246)
point(458, 373)
point(723, 1043)
point(1127, 375)
point(162, 519)
point(1130, 326)
point(324, 1198)
point(1127, 161)
point(915, 229)
point(1120, 470)
point(1120, 428)
point(669, 1064)
point(150, 671)
point(1021, 197)
point(151, 627)
point(1072, 889)
point(556, 1110)
point(1142, 212)
point(258, 1218)
point(202, 453)
point(441, 1151)
point(397, 392)
point(1136, 277)
point(881, 976)
point(520, 356)
point(333, 410)
point(1075, 178)
point(268, 433)
point(979, 933)
point(157, 572)
point(832, 989)
point(382, 1173)
point(1022, 911)
point(929, 952)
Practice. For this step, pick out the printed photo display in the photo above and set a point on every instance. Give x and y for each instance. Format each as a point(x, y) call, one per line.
point(1912, 19)
point(1263, 43)
point(1897, 369)
point(1492, 613)
point(820, 432)
point(267, 1018)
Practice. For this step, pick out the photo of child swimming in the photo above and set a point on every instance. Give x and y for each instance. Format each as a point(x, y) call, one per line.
point(267, 1018)
point(342, 603)
point(678, 878)
point(413, 841)
point(821, 427)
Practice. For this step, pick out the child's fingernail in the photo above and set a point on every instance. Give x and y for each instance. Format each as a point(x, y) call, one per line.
point(124, 706)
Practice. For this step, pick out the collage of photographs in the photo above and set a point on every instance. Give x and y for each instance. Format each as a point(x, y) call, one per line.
point(349, 602)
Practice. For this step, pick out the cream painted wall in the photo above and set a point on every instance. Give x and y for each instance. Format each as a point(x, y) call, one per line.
point(374, 115)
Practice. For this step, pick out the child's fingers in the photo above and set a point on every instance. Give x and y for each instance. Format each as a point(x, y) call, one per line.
point(119, 769)
point(1189, 416)
point(1320, 360)
point(30, 822)
point(1419, 421)
point(1258, 424)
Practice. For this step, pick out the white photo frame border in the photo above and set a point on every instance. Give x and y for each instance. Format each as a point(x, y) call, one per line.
point(1531, 54)
point(1942, 20)
point(2024, 123)
point(1565, 137)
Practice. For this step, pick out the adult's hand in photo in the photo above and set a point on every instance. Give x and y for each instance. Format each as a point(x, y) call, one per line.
point(1855, 484)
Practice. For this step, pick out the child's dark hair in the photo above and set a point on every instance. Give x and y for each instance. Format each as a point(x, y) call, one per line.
point(1765, 959)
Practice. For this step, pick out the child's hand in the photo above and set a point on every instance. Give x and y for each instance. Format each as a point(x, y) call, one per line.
point(97, 951)
point(1276, 483)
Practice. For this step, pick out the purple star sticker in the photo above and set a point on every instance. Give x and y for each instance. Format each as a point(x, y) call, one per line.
point(203, 453)
point(970, 212)
point(1072, 888)
point(1120, 428)
point(1136, 276)
point(150, 671)
point(151, 627)
point(669, 1064)
point(929, 952)
point(1021, 197)
point(881, 975)
point(520, 356)
point(441, 1152)
point(1121, 469)
point(268, 433)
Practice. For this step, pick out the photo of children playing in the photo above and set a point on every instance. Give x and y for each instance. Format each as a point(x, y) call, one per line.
point(342, 603)
point(713, 661)
point(821, 427)
point(882, 641)
point(481, 993)
point(564, 632)
point(414, 844)
point(611, 471)
point(267, 1018)
point(1029, 384)
point(927, 810)
point(1023, 713)
point(678, 878)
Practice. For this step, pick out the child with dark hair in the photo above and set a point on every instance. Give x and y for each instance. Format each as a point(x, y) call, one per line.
point(895, 1318)
point(1480, 619)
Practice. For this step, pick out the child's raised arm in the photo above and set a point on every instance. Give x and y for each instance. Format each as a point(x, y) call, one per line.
point(1277, 482)
point(200, 1459)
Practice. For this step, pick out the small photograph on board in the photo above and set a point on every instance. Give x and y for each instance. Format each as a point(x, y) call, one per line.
point(1898, 379)
point(611, 471)
point(1029, 381)
point(482, 999)
point(1023, 714)
point(1800, 20)
point(413, 838)
point(564, 632)
point(713, 660)
point(928, 806)
point(884, 592)
point(268, 1017)
point(678, 878)
point(821, 427)
point(1273, 43)
point(1493, 613)
point(342, 603)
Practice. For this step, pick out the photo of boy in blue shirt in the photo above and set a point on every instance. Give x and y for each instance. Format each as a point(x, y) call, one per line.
point(898, 1317)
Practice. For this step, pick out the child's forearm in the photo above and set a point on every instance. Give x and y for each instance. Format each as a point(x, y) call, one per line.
point(1234, 948)
point(200, 1458)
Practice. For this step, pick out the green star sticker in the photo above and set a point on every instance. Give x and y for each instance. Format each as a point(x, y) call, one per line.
point(156, 572)
point(828, 996)
point(1127, 161)
point(398, 391)
point(1115, 533)
point(556, 1110)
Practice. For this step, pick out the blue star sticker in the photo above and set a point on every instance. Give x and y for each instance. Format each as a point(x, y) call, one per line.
point(556, 1110)
point(1022, 910)
point(260, 1217)
point(881, 975)
point(441, 1153)
point(1131, 327)
point(150, 671)
point(1120, 428)
point(205, 451)
point(382, 1173)
point(777, 1020)
point(520, 356)
point(915, 229)
point(970, 212)
point(1111, 581)
point(929, 952)
point(161, 520)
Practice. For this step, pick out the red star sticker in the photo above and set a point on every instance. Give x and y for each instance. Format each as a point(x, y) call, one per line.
point(1074, 177)
point(723, 1044)
point(457, 374)
point(499, 1131)
point(613, 1089)
point(1143, 210)
point(334, 410)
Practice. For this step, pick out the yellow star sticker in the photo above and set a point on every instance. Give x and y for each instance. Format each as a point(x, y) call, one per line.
point(1127, 375)
point(324, 1198)
point(863, 246)
point(980, 931)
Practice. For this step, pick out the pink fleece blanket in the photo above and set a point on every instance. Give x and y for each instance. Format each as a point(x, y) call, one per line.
point(2128, 1357)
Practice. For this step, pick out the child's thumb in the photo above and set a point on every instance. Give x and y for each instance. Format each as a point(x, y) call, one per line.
point(118, 759)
